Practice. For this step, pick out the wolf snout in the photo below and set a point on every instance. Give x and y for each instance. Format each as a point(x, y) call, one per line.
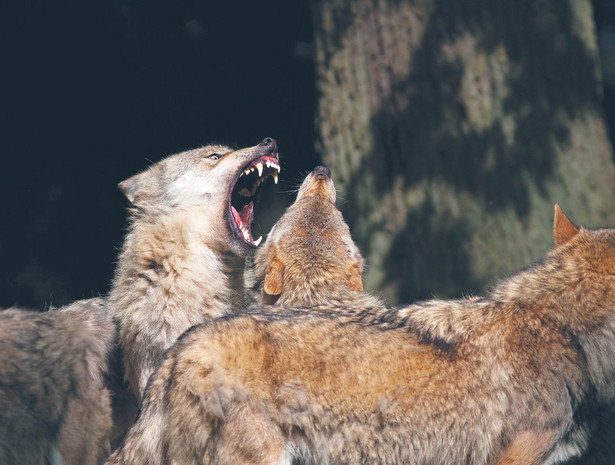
point(269, 143)
point(322, 172)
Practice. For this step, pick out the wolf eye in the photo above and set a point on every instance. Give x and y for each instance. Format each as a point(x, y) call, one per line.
point(214, 156)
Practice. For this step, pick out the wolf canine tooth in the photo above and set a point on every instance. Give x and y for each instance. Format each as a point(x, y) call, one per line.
point(275, 177)
point(258, 241)
point(259, 167)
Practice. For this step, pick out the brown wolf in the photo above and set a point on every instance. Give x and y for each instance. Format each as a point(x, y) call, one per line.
point(54, 407)
point(309, 256)
point(515, 377)
point(183, 257)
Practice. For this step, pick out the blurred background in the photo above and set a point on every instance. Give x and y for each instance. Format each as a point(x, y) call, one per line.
point(451, 127)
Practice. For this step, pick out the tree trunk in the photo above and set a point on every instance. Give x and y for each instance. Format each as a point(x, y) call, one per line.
point(452, 127)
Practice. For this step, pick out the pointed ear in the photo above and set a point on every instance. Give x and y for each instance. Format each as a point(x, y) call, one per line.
point(274, 277)
point(142, 185)
point(563, 229)
point(129, 187)
point(355, 281)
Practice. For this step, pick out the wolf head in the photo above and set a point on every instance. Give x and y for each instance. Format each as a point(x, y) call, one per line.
point(214, 187)
point(577, 273)
point(591, 251)
point(309, 254)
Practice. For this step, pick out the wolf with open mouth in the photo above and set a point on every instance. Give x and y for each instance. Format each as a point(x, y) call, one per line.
point(183, 257)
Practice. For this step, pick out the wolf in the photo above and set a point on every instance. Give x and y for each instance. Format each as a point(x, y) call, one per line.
point(54, 407)
point(513, 377)
point(86, 435)
point(184, 253)
point(309, 256)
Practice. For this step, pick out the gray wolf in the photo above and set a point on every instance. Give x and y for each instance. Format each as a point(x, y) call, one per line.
point(183, 256)
point(513, 377)
point(54, 407)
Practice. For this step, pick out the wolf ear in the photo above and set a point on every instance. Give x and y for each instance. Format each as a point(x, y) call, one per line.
point(355, 281)
point(274, 276)
point(142, 185)
point(129, 187)
point(563, 229)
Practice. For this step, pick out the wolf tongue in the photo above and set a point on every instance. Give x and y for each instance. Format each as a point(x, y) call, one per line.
point(243, 220)
point(236, 216)
point(247, 214)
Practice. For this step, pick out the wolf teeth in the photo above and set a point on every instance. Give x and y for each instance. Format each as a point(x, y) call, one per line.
point(275, 177)
point(258, 241)
point(259, 166)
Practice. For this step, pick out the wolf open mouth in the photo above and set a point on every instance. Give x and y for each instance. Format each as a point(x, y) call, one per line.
point(243, 194)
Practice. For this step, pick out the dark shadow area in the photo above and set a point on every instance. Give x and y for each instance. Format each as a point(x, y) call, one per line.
point(432, 247)
point(94, 92)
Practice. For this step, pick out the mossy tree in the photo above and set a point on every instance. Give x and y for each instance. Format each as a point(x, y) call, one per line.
point(452, 127)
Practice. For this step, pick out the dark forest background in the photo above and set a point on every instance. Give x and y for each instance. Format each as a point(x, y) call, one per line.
point(93, 92)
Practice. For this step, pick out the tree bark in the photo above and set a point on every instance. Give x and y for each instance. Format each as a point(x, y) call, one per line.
point(452, 127)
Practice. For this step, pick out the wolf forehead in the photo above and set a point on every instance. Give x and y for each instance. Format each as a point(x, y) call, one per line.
point(154, 180)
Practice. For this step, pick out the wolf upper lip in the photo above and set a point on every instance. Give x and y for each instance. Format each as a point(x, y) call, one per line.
point(241, 202)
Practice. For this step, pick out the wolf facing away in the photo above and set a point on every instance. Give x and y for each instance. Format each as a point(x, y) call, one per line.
point(308, 258)
point(54, 407)
point(183, 256)
point(514, 377)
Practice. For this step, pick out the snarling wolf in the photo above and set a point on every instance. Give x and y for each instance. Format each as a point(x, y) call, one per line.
point(309, 256)
point(54, 407)
point(514, 377)
point(183, 256)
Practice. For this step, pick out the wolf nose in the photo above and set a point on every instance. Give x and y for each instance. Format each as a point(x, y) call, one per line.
point(269, 143)
point(322, 171)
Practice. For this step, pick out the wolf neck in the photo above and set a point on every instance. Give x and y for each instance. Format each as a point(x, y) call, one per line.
point(175, 264)
point(168, 279)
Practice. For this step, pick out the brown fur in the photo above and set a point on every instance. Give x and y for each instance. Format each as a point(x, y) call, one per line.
point(528, 448)
point(309, 257)
point(181, 262)
point(53, 403)
point(86, 434)
point(471, 381)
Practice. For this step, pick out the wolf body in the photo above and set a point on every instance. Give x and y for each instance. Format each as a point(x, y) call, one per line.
point(309, 258)
point(183, 256)
point(514, 377)
point(54, 407)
